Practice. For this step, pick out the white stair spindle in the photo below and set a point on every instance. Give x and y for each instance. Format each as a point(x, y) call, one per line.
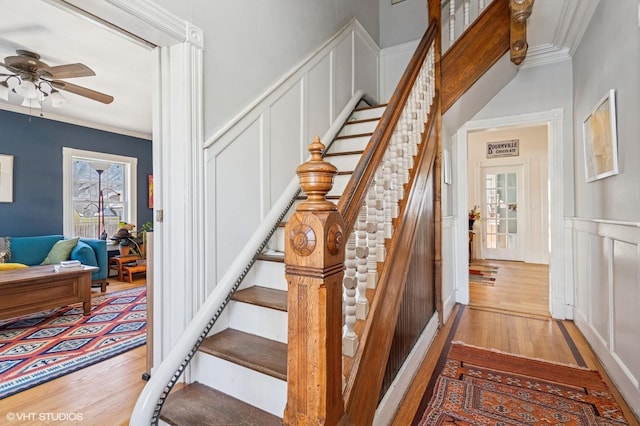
point(380, 209)
point(362, 254)
point(350, 338)
point(372, 230)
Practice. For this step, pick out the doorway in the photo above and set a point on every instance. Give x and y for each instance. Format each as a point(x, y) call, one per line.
point(541, 235)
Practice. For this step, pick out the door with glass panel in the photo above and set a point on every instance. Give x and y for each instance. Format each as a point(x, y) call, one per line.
point(501, 216)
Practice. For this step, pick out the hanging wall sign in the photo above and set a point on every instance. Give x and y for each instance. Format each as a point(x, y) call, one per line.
point(509, 148)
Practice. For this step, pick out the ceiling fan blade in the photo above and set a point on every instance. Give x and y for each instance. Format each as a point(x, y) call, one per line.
point(82, 91)
point(67, 71)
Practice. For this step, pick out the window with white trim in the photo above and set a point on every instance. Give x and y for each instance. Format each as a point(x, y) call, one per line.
point(99, 192)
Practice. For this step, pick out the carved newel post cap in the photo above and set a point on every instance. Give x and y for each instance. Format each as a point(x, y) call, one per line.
point(316, 179)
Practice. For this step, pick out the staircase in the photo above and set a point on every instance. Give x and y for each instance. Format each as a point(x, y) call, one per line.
point(237, 356)
point(242, 368)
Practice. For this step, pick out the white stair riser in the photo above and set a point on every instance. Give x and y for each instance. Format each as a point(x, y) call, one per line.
point(266, 274)
point(358, 128)
point(344, 163)
point(339, 183)
point(276, 242)
point(258, 320)
point(368, 113)
point(351, 144)
point(261, 390)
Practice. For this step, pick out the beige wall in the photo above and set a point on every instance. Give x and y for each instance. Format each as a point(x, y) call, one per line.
point(533, 157)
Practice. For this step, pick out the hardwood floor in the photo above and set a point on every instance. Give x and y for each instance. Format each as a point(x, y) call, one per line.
point(102, 394)
point(512, 316)
point(519, 287)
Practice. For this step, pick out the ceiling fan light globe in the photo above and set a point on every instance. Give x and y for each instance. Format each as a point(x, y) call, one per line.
point(57, 100)
point(31, 103)
point(27, 89)
point(45, 87)
point(12, 82)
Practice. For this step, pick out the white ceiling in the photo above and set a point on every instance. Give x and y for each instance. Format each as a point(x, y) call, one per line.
point(123, 66)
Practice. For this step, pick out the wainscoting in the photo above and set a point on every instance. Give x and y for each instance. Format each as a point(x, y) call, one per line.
point(607, 308)
point(250, 162)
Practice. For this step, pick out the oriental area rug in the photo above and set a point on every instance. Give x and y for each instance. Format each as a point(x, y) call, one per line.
point(484, 387)
point(40, 347)
point(482, 274)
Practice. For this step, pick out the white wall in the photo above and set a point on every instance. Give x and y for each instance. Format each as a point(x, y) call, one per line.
point(605, 232)
point(248, 165)
point(251, 44)
point(608, 58)
point(540, 89)
point(533, 158)
point(402, 22)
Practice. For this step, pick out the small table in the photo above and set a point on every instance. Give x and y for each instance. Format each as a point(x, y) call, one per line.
point(129, 270)
point(117, 264)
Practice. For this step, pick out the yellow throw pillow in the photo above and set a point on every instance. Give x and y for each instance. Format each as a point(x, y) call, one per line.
point(10, 266)
point(60, 251)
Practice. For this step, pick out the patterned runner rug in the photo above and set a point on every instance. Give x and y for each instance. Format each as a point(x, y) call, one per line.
point(40, 347)
point(482, 387)
point(482, 274)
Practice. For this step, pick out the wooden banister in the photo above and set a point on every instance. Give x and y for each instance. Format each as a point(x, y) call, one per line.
point(481, 45)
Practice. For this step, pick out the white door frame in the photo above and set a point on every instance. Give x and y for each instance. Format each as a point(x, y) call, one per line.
point(561, 286)
point(178, 157)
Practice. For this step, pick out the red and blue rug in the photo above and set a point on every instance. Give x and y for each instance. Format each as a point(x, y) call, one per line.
point(482, 274)
point(37, 348)
point(485, 387)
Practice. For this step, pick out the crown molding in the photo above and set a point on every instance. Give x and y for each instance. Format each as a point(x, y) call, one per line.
point(36, 114)
point(575, 16)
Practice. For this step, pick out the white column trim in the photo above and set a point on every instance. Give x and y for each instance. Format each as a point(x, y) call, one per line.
point(178, 155)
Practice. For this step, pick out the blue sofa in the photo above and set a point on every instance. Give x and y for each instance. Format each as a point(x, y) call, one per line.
point(32, 251)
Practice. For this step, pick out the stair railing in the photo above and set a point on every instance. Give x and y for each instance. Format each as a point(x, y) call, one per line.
point(457, 16)
point(368, 211)
point(153, 396)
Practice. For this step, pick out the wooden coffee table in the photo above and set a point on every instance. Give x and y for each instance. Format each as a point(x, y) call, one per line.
point(38, 288)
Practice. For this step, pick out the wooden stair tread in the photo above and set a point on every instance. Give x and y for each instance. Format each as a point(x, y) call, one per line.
point(251, 351)
point(197, 404)
point(357, 135)
point(362, 120)
point(337, 154)
point(263, 296)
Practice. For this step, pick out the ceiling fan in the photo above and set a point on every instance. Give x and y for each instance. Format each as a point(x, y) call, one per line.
point(36, 80)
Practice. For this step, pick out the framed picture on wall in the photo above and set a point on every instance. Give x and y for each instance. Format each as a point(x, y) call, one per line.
point(150, 182)
point(6, 178)
point(601, 139)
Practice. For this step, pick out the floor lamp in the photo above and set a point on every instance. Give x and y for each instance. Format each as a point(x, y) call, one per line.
point(100, 168)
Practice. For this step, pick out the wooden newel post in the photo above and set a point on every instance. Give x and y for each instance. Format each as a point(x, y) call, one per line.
point(314, 264)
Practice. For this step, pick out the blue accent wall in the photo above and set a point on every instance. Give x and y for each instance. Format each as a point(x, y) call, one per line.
point(36, 145)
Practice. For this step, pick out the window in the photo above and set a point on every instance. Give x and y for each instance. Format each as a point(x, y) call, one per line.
point(99, 192)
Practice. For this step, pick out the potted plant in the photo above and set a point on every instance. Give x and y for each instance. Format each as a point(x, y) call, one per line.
point(474, 214)
point(142, 237)
point(127, 242)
